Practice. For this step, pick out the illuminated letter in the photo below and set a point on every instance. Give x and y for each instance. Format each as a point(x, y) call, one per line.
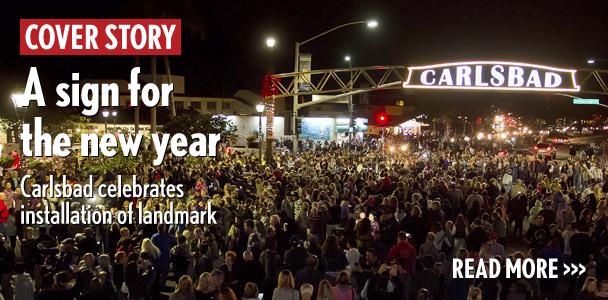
point(552, 80)
point(498, 78)
point(516, 77)
point(425, 75)
point(479, 76)
point(463, 74)
point(446, 77)
point(534, 79)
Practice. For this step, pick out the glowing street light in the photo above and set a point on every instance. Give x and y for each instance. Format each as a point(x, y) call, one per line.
point(18, 100)
point(260, 108)
point(270, 42)
point(372, 23)
point(592, 61)
point(347, 58)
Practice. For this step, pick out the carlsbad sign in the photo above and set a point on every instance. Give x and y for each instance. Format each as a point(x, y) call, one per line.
point(492, 75)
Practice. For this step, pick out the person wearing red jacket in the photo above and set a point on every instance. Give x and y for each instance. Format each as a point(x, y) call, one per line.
point(16, 160)
point(404, 253)
point(3, 209)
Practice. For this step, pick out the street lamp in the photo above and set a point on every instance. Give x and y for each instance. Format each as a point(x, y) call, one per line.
point(260, 109)
point(114, 114)
point(370, 24)
point(350, 100)
point(270, 42)
point(592, 61)
point(20, 105)
point(105, 115)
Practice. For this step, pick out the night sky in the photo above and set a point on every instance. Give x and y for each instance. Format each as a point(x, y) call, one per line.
point(223, 42)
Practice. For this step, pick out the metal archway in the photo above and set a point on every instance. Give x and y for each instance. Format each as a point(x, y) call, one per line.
point(349, 81)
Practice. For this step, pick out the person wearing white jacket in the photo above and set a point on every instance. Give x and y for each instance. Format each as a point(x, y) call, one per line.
point(23, 285)
point(507, 181)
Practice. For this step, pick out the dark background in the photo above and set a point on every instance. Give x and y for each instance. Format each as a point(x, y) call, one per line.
point(223, 43)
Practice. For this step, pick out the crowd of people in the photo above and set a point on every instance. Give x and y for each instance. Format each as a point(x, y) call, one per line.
point(334, 222)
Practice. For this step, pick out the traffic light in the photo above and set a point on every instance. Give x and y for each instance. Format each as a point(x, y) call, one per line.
point(382, 119)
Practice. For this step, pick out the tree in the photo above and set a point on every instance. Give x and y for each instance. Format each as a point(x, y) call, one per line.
point(68, 126)
point(191, 122)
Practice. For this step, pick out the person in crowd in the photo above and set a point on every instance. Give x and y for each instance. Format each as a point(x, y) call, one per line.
point(225, 293)
point(385, 284)
point(474, 294)
point(404, 253)
point(603, 290)
point(250, 292)
point(22, 283)
point(309, 274)
point(164, 242)
point(285, 287)
point(184, 289)
point(181, 257)
point(324, 291)
point(205, 288)
point(343, 290)
point(588, 290)
point(306, 291)
point(334, 258)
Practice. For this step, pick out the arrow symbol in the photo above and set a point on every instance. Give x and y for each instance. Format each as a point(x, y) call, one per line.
point(574, 269)
point(567, 269)
point(583, 269)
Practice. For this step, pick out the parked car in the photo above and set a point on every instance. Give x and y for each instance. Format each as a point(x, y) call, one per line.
point(545, 150)
point(523, 152)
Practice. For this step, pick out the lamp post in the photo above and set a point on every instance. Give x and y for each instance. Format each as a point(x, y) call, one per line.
point(105, 115)
point(114, 114)
point(351, 129)
point(260, 109)
point(370, 24)
point(18, 105)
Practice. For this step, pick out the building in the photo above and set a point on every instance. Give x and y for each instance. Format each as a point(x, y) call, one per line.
point(243, 102)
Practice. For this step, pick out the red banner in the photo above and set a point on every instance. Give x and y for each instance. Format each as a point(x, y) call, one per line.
point(100, 37)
